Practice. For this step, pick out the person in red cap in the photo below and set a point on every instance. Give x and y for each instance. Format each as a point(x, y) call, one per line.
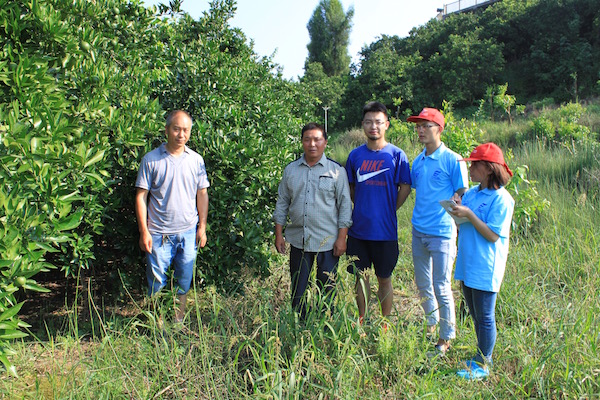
point(483, 248)
point(436, 175)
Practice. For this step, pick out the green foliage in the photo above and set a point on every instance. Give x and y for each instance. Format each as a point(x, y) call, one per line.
point(542, 127)
point(400, 133)
point(382, 75)
point(327, 92)
point(560, 126)
point(329, 31)
point(529, 205)
point(496, 97)
point(57, 124)
point(83, 87)
point(541, 49)
point(460, 136)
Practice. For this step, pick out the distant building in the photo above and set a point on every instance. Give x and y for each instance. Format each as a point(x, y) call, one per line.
point(463, 6)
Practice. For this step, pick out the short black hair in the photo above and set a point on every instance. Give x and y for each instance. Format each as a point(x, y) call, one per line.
point(375, 106)
point(313, 125)
point(172, 115)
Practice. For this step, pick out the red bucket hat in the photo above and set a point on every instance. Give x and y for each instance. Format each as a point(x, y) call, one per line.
point(488, 152)
point(429, 114)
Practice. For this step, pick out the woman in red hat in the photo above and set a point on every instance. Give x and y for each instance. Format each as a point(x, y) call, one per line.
point(483, 248)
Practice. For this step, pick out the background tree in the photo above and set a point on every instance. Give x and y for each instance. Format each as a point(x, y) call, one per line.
point(327, 91)
point(329, 31)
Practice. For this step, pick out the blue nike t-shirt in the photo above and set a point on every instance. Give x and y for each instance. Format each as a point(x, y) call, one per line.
point(376, 176)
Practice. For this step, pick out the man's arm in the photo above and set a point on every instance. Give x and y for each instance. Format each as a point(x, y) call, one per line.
point(279, 239)
point(141, 212)
point(403, 192)
point(202, 206)
point(281, 212)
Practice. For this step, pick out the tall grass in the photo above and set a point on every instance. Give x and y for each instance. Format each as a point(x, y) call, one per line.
point(253, 346)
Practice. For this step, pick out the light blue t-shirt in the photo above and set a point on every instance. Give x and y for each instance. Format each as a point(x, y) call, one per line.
point(436, 177)
point(480, 264)
point(376, 176)
point(172, 184)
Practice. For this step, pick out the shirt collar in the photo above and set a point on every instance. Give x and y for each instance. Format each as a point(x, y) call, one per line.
point(321, 161)
point(486, 191)
point(437, 153)
point(163, 148)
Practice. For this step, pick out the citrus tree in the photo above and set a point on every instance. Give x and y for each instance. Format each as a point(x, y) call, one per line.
point(84, 87)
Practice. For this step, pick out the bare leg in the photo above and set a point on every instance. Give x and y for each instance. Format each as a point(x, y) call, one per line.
point(180, 309)
point(385, 293)
point(363, 289)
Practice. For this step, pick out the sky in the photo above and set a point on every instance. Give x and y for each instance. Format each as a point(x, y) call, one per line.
point(279, 26)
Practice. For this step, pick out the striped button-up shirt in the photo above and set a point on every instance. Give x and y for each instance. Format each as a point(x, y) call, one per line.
point(317, 201)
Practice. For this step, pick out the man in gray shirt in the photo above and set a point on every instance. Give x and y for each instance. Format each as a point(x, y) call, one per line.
point(171, 206)
point(314, 193)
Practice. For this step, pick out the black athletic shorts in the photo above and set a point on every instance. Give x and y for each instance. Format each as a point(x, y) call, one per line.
point(383, 255)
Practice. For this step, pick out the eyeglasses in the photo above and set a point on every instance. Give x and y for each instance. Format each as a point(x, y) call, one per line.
point(368, 123)
point(424, 126)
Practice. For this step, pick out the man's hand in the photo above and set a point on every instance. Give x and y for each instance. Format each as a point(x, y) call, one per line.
point(201, 237)
point(280, 244)
point(146, 241)
point(339, 246)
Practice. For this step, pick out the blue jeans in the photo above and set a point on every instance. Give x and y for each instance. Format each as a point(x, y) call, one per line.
point(177, 249)
point(482, 307)
point(433, 259)
point(301, 263)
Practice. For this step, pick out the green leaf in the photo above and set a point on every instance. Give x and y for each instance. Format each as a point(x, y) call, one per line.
point(97, 157)
point(70, 222)
point(36, 288)
point(11, 312)
point(12, 334)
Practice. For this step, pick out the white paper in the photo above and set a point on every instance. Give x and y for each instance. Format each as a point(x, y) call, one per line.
point(447, 205)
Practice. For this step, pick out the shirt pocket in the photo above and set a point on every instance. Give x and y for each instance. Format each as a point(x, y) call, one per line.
point(326, 186)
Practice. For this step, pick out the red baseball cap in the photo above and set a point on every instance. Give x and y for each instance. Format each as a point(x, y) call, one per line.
point(488, 152)
point(429, 114)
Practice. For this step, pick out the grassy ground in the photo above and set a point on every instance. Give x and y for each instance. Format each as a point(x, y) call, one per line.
point(252, 346)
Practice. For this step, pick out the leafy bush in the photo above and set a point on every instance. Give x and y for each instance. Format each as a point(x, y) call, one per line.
point(559, 126)
point(528, 203)
point(542, 128)
point(460, 136)
point(401, 133)
point(83, 86)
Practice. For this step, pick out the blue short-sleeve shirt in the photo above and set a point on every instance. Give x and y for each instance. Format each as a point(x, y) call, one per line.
point(376, 176)
point(436, 177)
point(480, 264)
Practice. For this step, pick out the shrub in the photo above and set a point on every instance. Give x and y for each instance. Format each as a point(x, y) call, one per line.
point(83, 86)
point(460, 136)
point(528, 203)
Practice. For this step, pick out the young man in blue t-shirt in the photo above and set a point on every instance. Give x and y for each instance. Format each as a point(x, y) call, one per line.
point(379, 177)
point(436, 175)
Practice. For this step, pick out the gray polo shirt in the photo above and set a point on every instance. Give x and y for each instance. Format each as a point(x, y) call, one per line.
point(172, 183)
point(317, 201)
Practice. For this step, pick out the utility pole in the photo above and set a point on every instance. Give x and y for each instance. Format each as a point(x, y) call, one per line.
point(326, 108)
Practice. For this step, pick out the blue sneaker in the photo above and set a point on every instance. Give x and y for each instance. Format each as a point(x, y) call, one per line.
point(474, 371)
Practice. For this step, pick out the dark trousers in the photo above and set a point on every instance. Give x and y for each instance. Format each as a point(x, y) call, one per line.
point(301, 263)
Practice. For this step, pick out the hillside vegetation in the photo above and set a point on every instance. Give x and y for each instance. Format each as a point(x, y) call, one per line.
point(84, 88)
